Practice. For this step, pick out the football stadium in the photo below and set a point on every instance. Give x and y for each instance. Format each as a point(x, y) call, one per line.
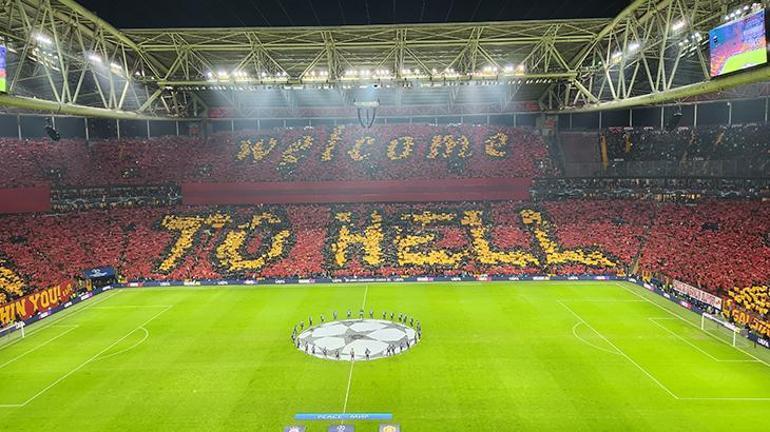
point(427, 215)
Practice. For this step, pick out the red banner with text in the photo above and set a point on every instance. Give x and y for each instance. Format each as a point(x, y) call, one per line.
point(38, 301)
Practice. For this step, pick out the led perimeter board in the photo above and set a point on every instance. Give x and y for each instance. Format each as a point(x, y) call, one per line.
point(738, 45)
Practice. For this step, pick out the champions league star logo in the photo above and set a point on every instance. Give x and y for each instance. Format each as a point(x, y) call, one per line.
point(294, 429)
point(390, 428)
point(97, 273)
point(362, 339)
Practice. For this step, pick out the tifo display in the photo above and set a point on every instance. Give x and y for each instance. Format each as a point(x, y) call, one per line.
point(367, 240)
point(398, 152)
point(310, 222)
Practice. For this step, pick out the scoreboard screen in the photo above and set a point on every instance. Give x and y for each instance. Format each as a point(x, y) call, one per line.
point(738, 45)
point(2, 69)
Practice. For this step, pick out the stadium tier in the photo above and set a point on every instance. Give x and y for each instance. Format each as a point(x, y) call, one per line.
point(398, 152)
point(369, 216)
point(702, 143)
point(739, 150)
point(714, 245)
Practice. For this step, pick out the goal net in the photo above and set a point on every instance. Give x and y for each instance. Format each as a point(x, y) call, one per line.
point(717, 326)
point(11, 333)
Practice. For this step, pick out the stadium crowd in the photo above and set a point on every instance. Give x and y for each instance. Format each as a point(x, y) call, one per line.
point(318, 240)
point(702, 143)
point(681, 189)
point(716, 245)
point(307, 154)
point(108, 197)
point(118, 203)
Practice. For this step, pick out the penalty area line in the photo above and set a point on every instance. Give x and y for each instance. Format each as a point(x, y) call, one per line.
point(136, 344)
point(574, 333)
point(675, 315)
point(56, 318)
point(701, 350)
point(31, 350)
point(621, 352)
point(85, 363)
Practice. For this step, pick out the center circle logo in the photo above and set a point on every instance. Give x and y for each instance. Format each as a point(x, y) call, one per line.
point(357, 339)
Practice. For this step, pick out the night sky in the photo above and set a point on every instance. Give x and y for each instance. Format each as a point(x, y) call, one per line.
point(229, 13)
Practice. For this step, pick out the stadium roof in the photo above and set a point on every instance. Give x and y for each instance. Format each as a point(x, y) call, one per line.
point(299, 13)
point(74, 62)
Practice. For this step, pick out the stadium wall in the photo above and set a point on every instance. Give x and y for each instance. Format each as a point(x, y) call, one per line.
point(356, 191)
point(25, 200)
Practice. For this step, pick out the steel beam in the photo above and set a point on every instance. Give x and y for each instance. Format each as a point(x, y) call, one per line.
point(47, 106)
point(681, 93)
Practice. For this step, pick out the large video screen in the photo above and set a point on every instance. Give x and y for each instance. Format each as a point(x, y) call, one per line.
point(738, 45)
point(2, 69)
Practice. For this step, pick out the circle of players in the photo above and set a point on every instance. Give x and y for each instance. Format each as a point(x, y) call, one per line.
point(390, 351)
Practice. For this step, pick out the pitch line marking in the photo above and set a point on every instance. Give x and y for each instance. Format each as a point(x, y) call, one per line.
point(85, 363)
point(132, 307)
point(621, 352)
point(574, 332)
point(31, 350)
point(353, 362)
point(690, 323)
point(673, 333)
point(60, 316)
point(136, 344)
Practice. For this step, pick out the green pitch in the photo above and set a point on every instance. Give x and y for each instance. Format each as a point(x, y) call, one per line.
point(744, 60)
point(525, 356)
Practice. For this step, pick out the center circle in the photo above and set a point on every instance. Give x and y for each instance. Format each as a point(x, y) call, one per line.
point(357, 339)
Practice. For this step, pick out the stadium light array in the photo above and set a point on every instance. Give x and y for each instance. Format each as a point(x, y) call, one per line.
point(737, 13)
point(241, 75)
point(679, 25)
point(95, 58)
point(43, 39)
point(316, 75)
point(693, 39)
point(486, 71)
point(490, 74)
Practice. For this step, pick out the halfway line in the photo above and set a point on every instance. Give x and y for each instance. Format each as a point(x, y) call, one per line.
point(353, 361)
